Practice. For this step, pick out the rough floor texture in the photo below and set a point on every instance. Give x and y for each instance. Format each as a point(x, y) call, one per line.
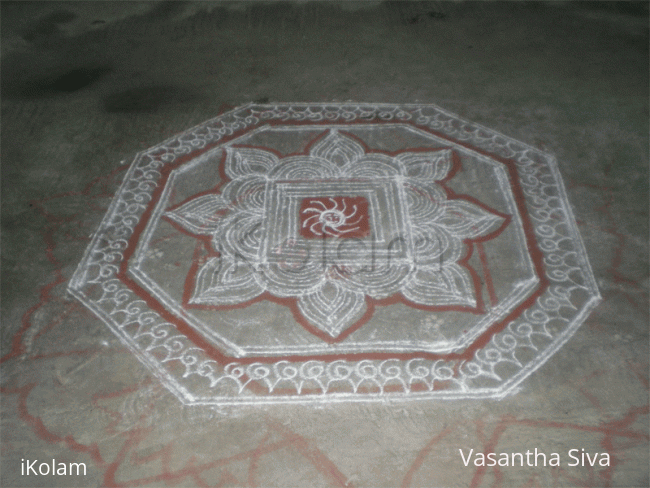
point(85, 86)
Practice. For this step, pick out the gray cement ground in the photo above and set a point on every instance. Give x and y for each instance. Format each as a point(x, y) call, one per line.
point(86, 85)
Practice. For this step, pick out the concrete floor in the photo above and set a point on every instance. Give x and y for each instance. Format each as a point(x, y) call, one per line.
point(87, 85)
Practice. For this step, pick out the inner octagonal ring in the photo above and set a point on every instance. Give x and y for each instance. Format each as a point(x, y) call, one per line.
point(485, 316)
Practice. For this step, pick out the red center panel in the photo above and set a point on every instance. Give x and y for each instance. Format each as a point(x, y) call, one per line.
point(342, 217)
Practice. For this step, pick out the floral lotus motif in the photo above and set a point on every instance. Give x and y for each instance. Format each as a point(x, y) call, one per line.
point(336, 229)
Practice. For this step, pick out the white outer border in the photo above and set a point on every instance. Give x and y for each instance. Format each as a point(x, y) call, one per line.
point(195, 379)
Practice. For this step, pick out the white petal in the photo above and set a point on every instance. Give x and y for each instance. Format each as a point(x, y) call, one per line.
point(374, 166)
point(338, 149)
point(241, 236)
point(201, 215)
point(292, 278)
point(246, 161)
point(304, 168)
point(378, 280)
point(332, 309)
point(447, 285)
point(464, 219)
point(427, 167)
point(223, 281)
point(425, 202)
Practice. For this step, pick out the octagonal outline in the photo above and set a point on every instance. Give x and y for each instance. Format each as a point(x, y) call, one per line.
point(133, 318)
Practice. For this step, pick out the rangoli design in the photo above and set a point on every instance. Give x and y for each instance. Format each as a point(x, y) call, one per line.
point(310, 253)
